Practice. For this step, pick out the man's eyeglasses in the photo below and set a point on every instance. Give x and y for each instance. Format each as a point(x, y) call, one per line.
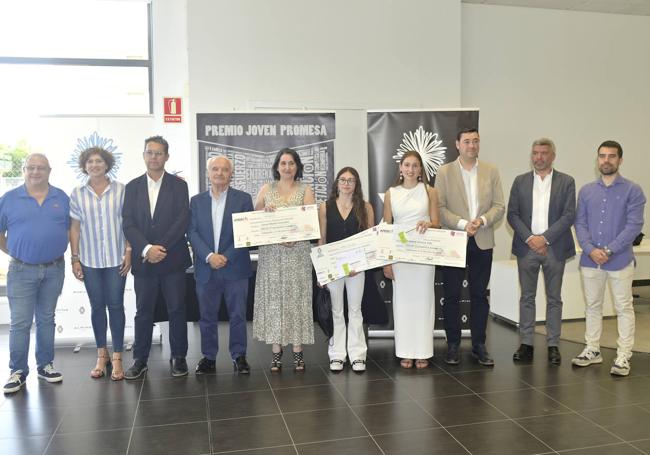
point(347, 181)
point(37, 168)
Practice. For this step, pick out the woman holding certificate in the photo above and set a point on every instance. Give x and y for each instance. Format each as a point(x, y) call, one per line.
point(344, 214)
point(283, 287)
point(412, 203)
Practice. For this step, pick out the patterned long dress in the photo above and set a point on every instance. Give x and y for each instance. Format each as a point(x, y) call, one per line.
point(283, 287)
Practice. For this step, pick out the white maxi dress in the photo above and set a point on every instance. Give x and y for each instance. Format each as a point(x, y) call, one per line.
point(413, 296)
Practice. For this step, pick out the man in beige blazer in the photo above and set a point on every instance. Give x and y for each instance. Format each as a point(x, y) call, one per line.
point(470, 199)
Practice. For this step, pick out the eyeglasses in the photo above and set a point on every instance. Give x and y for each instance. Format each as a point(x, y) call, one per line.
point(347, 181)
point(37, 168)
point(151, 153)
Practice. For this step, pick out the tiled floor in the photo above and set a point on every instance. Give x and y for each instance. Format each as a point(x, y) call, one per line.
point(508, 409)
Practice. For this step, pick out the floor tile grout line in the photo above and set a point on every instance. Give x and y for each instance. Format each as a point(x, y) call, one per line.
point(250, 450)
point(277, 403)
point(207, 413)
point(419, 406)
point(597, 446)
point(135, 414)
point(578, 413)
point(58, 425)
point(327, 374)
point(503, 413)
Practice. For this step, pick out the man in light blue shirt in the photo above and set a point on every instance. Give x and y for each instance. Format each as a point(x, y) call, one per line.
point(609, 216)
point(34, 225)
point(220, 269)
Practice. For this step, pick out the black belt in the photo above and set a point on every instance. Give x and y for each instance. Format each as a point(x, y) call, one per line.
point(44, 264)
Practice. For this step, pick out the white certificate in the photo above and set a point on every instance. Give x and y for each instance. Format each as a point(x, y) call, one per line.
point(356, 253)
point(285, 224)
point(434, 247)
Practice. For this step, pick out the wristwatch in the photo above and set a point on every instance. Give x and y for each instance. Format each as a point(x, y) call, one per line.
point(608, 252)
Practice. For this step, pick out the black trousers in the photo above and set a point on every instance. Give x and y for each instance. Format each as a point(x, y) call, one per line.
point(147, 290)
point(479, 268)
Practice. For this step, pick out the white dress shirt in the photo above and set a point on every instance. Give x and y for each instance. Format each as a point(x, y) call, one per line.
point(470, 181)
point(541, 199)
point(153, 187)
point(218, 209)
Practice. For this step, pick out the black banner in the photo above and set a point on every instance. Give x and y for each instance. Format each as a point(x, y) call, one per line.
point(251, 141)
point(433, 135)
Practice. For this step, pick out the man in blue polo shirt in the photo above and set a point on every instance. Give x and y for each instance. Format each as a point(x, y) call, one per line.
point(608, 219)
point(34, 224)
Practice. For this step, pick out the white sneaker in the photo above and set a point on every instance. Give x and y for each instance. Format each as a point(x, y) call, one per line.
point(621, 366)
point(336, 365)
point(359, 365)
point(587, 357)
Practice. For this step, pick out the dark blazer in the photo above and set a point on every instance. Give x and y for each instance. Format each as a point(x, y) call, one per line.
point(561, 214)
point(201, 235)
point(167, 228)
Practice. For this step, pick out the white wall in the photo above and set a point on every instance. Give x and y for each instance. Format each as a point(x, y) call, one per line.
point(170, 78)
point(579, 78)
point(341, 55)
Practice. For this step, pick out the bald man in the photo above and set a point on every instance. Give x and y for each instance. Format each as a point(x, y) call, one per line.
point(220, 269)
point(34, 225)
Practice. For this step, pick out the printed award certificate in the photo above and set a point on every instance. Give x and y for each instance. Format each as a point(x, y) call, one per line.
point(285, 224)
point(356, 253)
point(400, 243)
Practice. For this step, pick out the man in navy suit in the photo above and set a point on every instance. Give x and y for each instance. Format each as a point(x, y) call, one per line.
point(220, 269)
point(541, 211)
point(155, 219)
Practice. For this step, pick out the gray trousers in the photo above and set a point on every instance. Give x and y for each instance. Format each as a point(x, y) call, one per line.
point(553, 270)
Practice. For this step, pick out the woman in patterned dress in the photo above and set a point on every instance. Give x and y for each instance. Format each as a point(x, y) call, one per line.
point(283, 287)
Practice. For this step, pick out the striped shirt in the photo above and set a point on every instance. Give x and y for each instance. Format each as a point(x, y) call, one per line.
point(102, 241)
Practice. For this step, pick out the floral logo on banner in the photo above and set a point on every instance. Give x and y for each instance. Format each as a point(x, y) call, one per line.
point(428, 145)
point(94, 140)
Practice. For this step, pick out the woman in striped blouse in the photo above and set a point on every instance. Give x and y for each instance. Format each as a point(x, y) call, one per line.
point(101, 256)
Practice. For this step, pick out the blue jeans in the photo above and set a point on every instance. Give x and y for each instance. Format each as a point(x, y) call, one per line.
point(105, 289)
point(32, 291)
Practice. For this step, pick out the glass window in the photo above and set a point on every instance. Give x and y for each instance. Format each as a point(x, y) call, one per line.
point(67, 89)
point(74, 29)
point(86, 57)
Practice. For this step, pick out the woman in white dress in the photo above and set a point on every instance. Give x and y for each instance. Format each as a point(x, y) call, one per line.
point(412, 202)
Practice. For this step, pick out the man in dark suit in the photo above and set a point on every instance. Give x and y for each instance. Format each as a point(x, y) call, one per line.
point(541, 210)
point(470, 198)
point(155, 218)
point(220, 269)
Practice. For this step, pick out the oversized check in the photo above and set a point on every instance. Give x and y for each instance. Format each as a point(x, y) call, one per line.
point(356, 253)
point(435, 247)
point(285, 224)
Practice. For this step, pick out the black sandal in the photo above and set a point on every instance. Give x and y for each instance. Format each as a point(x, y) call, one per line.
point(298, 362)
point(276, 362)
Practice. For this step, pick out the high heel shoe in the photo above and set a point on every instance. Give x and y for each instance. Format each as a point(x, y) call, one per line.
point(118, 371)
point(298, 362)
point(102, 361)
point(276, 362)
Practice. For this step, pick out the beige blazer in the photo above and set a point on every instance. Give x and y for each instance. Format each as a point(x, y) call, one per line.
point(452, 199)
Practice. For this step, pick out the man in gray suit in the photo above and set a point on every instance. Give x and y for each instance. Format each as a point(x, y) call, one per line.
point(541, 210)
